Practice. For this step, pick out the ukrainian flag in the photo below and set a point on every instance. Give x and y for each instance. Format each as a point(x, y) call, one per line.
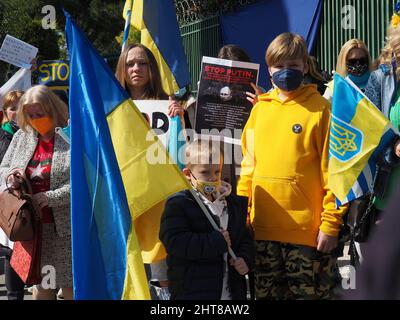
point(114, 178)
point(156, 19)
point(358, 134)
point(127, 28)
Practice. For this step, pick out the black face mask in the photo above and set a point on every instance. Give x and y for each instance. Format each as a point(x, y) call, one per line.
point(357, 67)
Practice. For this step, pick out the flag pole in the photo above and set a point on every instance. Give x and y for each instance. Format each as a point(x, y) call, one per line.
point(127, 27)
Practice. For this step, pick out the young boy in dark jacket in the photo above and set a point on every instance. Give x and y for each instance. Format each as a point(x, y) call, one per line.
point(199, 266)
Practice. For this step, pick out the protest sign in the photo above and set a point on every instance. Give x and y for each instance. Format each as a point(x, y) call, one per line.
point(54, 74)
point(21, 80)
point(17, 52)
point(221, 99)
point(156, 114)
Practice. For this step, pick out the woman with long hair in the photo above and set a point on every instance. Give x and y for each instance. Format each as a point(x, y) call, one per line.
point(354, 62)
point(138, 73)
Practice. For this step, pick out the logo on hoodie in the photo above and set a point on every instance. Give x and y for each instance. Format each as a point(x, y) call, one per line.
point(297, 128)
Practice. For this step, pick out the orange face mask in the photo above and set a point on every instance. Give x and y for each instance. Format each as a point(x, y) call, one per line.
point(42, 125)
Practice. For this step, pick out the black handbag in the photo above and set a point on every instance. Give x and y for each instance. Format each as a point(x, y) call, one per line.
point(365, 220)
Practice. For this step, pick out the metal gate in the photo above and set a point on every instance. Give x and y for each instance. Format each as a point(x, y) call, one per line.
point(341, 21)
point(369, 21)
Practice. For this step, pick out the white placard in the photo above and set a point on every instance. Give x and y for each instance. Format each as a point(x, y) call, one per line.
point(156, 114)
point(17, 52)
point(21, 80)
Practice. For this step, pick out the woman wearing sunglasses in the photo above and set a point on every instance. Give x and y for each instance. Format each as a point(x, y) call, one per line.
point(354, 62)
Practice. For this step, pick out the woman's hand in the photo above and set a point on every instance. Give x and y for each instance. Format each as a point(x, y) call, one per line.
point(175, 109)
point(253, 97)
point(12, 181)
point(33, 64)
point(41, 199)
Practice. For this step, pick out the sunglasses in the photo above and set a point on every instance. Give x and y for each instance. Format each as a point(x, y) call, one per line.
point(359, 61)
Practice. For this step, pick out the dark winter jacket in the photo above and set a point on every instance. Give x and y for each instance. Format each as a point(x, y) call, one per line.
point(195, 250)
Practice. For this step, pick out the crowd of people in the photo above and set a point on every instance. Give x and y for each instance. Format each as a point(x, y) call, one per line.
point(278, 224)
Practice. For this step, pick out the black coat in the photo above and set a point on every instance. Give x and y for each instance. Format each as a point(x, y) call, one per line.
point(195, 250)
point(5, 140)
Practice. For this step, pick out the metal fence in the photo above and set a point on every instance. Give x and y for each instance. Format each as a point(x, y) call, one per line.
point(200, 38)
point(343, 20)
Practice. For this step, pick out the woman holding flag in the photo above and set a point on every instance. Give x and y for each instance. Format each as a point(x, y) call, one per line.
point(138, 73)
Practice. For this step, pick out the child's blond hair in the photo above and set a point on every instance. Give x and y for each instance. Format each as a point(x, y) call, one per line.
point(203, 151)
point(286, 46)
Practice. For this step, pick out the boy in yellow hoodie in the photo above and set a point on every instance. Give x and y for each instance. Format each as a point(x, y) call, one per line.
point(284, 174)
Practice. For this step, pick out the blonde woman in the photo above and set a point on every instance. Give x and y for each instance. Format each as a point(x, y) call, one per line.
point(383, 90)
point(354, 62)
point(44, 158)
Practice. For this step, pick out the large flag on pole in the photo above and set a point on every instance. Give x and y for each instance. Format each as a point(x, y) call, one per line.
point(358, 134)
point(113, 177)
point(156, 19)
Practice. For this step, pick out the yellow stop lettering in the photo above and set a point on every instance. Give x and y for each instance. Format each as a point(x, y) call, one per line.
point(43, 70)
point(53, 70)
point(60, 66)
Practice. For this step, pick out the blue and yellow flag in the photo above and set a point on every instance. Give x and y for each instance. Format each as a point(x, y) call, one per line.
point(116, 167)
point(127, 28)
point(358, 134)
point(156, 19)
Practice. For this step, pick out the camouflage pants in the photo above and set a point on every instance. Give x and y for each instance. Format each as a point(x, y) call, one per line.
point(287, 271)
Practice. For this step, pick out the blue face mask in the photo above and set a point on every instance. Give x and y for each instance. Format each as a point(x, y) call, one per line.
point(361, 80)
point(288, 79)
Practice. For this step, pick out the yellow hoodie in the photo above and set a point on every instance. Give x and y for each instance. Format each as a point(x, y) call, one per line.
point(285, 168)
